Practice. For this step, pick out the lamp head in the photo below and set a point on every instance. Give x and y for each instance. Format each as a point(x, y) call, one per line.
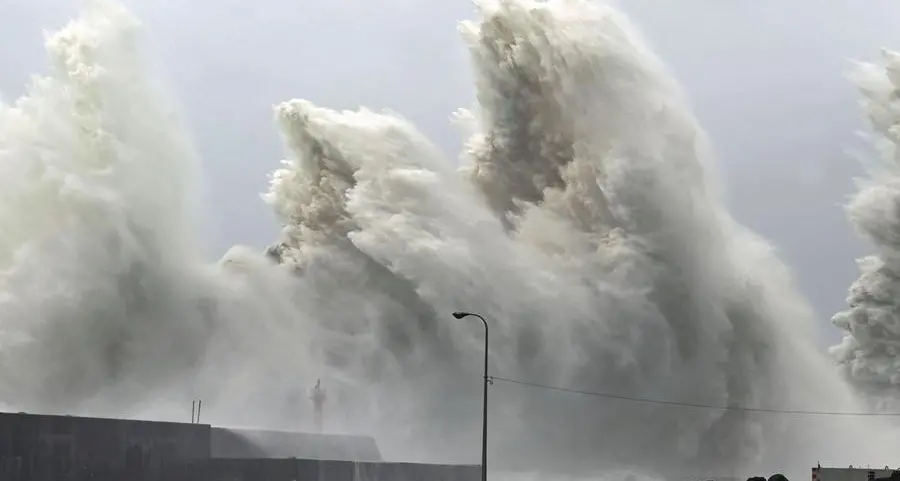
point(460, 315)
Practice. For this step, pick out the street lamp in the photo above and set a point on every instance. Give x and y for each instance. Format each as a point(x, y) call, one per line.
point(487, 380)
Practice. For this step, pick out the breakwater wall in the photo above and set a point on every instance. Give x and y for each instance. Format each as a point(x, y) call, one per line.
point(313, 470)
point(257, 470)
point(36, 447)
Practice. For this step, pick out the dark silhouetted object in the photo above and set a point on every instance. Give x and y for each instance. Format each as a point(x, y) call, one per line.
point(895, 476)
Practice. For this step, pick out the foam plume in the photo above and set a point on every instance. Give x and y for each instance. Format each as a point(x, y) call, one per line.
point(868, 354)
point(585, 226)
point(95, 218)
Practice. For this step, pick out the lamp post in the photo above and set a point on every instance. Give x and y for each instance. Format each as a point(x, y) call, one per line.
point(461, 315)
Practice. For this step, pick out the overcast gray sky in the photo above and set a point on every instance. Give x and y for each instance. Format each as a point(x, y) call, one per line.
point(765, 78)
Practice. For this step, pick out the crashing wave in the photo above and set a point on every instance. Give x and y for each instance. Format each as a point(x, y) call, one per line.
point(594, 243)
point(95, 211)
point(584, 226)
point(869, 353)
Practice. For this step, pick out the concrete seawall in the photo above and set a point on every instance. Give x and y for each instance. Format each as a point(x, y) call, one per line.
point(263, 470)
point(247, 443)
point(69, 448)
point(312, 470)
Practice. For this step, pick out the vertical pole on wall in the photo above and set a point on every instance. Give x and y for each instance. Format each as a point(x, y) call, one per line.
point(193, 406)
point(199, 407)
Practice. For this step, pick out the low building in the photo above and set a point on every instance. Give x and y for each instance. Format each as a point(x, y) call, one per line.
point(851, 474)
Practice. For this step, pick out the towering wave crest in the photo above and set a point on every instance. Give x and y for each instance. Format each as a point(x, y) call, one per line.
point(869, 353)
point(95, 221)
point(583, 225)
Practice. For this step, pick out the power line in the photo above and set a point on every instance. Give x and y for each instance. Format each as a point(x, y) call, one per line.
point(684, 404)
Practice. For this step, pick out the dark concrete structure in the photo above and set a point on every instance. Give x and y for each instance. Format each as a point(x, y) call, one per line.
point(245, 443)
point(42, 447)
point(37, 447)
point(312, 470)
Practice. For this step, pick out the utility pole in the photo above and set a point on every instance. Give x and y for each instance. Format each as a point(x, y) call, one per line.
point(487, 380)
